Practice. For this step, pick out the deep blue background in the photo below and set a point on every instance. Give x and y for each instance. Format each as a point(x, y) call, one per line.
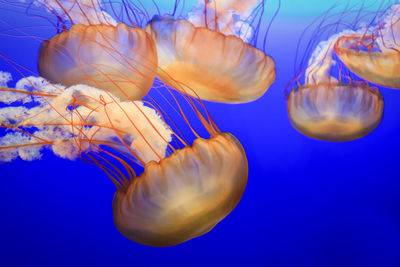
point(307, 203)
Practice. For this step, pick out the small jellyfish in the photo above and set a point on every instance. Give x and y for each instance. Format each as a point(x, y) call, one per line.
point(183, 191)
point(207, 55)
point(333, 108)
point(373, 53)
point(98, 51)
point(335, 112)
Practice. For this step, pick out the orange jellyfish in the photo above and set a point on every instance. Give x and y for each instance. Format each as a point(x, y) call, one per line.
point(184, 190)
point(374, 53)
point(333, 109)
point(98, 51)
point(207, 56)
point(185, 195)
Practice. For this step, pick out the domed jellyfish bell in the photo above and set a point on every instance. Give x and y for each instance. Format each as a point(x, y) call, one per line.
point(207, 55)
point(374, 53)
point(97, 51)
point(169, 190)
point(333, 109)
point(335, 112)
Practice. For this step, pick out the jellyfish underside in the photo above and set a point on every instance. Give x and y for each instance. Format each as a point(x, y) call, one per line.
point(118, 59)
point(185, 195)
point(379, 67)
point(208, 64)
point(335, 112)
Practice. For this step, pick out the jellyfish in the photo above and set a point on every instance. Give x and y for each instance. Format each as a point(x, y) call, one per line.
point(335, 112)
point(97, 51)
point(184, 195)
point(184, 189)
point(374, 54)
point(207, 55)
point(333, 108)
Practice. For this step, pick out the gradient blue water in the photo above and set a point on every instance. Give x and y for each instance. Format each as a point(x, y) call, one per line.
point(307, 203)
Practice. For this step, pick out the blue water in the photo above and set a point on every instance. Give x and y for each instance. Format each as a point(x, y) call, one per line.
point(307, 203)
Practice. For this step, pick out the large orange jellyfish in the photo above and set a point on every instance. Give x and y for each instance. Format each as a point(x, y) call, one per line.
point(184, 195)
point(98, 51)
point(329, 108)
point(208, 57)
point(184, 190)
point(374, 52)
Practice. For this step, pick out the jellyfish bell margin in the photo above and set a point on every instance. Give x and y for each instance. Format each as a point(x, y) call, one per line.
point(221, 68)
point(335, 112)
point(119, 59)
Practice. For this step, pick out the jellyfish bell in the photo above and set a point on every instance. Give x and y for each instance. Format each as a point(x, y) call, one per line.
point(218, 67)
point(379, 67)
point(119, 59)
point(97, 50)
point(335, 112)
point(211, 61)
point(185, 195)
point(374, 54)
